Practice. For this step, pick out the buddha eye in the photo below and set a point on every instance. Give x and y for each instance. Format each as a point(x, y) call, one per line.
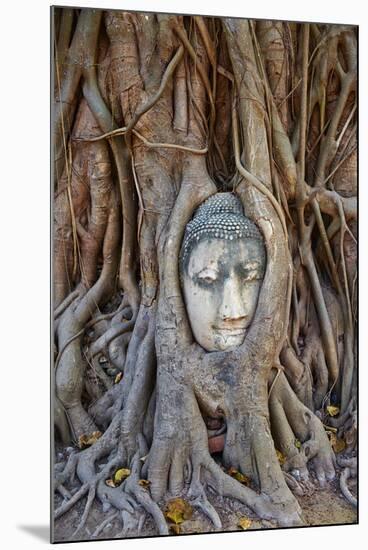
point(252, 276)
point(252, 271)
point(206, 277)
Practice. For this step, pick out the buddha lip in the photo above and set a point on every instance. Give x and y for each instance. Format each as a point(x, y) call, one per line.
point(233, 330)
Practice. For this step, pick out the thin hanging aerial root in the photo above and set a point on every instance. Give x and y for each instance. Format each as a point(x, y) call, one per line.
point(147, 106)
point(250, 177)
point(156, 145)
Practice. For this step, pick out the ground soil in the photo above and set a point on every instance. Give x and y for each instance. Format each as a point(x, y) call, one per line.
point(325, 506)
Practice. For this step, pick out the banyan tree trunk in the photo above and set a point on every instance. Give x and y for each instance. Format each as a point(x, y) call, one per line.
point(152, 115)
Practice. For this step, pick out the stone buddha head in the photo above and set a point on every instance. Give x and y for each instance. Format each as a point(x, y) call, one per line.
point(222, 265)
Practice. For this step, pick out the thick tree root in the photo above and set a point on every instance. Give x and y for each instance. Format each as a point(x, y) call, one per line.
point(261, 504)
point(143, 497)
point(299, 435)
point(200, 473)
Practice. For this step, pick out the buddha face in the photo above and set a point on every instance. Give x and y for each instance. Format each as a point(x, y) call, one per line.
point(221, 282)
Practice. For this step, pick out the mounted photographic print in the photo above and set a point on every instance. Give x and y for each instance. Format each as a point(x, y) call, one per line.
point(204, 176)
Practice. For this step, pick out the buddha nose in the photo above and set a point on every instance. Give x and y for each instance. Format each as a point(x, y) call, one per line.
point(232, 305)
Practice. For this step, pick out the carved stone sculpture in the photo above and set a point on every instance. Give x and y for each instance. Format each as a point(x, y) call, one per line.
point(222, 265)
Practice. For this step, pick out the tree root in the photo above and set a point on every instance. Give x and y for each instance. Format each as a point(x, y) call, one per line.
point(191, 468)
point(90, 499)
point(199, 499)
point(263, 505)
point(299, 488)
point(143, 497)
point(299, 435)
point(66, 506)
point(350, 471)
point(346, 474)
point(66, 303)
point(112, 333)
point(102, 525)
point(152, 424)
point(200, 472)
point(64, 492)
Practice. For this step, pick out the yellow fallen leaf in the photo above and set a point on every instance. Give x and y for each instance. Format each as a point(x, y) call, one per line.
point(332, 411)
point(82, 441)
point(239, 476)
point(110, 483)
point(297, 443)
point(118, 377)
point(244, 523)
point(336, 443)
point(175, 516)
point(329, 429)
point(340, 446)
point(86, 440)
point(144, 482)
point(178, 510)
point(280, 457)
point(120, 475)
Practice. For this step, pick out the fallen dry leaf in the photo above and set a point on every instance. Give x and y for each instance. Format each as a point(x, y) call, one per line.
point(118, 377)
point(238, 476)
point(120, 475)
point(244, 523)
point(332, 411)
point(280, 457)
point(86, 440)
point(178, 510)
point(144, 482)
point(337, 444)
point(329, 429)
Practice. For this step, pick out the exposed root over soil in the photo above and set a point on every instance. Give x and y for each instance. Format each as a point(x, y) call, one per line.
point(154, 114)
